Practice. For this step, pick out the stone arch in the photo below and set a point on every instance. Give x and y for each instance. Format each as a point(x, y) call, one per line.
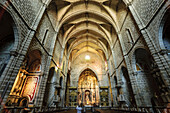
point(16, 29)
point(119, 78)
point(103, 50)
point(88, 88)
point(61, 91)
point(115, 80)
point(35, 46)
point(164, 34)
point(90, 69)
point(146, 79)
point(100, 5)
point(34, 60)
point(106, 17)
point(126, 87)
point(27, 80)
point(67, 88)
point(9, 38)
point(50, 87)
point(115, 90)
point(24, 101)
point(61, 82)
point(92, 36)
point(90, 29)
point(133, 61)
point(138, 58)
point(51, 74)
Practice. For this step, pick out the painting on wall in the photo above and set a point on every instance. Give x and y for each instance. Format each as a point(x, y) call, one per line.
point(30, 86)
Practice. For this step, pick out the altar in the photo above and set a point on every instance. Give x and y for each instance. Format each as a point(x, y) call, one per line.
point(88, 89)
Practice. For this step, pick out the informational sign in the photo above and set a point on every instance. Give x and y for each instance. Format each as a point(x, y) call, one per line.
point(30, 86)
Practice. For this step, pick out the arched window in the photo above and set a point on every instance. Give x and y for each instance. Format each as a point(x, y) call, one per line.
point(129, 35)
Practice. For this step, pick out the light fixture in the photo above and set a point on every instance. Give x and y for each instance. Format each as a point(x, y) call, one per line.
point(87, 57)
point(56, 68)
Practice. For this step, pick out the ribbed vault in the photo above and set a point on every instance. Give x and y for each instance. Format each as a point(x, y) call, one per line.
point(86, 27)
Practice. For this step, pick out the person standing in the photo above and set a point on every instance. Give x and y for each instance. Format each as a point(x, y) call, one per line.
point(79, 109)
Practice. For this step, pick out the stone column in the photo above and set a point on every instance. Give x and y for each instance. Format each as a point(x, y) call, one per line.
point(158, 56)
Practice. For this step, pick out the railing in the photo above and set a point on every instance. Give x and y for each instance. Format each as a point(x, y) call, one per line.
point(19, 109)
point(52, 109)
point(157, 109)
point(30, 109)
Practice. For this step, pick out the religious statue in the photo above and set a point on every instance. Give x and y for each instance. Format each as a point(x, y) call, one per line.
point(87, 98)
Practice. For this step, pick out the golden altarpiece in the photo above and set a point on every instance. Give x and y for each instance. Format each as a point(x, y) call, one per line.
point(88, 91)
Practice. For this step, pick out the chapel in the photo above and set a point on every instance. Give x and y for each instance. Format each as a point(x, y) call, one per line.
point(99, 54)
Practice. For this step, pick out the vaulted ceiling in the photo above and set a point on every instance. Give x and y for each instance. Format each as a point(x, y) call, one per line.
point(87, 26)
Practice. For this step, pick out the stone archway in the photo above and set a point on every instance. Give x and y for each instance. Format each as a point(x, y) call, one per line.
point(126, 88)
point(164, 40)
point(166, 34)
point(27, 80)
point(50, 88)
point(7, 38)
point(147, 84)
point(88, 88)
